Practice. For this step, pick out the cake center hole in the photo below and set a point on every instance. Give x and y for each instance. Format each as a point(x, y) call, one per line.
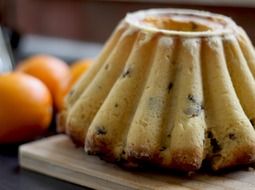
point(182, 23)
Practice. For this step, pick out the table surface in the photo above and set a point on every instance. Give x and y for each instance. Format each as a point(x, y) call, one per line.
point(14, 177)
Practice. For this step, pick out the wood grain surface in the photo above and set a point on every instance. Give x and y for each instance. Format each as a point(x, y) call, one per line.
point(57, 157)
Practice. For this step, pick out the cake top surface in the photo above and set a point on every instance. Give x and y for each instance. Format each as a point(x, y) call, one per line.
point(181, 22)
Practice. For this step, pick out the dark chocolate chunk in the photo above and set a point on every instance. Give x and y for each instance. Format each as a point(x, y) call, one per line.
point(170, 86)
point(162, 148)
point(209, 134)
point(191, 98)
point(168, 57)
point(215, 145)
point(126, 73)
point(232, 136)
point(101, 130)
point(116, 105)
point(214, 142)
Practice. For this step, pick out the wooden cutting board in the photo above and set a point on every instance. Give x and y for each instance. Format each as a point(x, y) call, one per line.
point(57, 156)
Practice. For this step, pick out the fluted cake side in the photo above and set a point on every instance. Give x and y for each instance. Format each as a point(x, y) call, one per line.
point(172, 88)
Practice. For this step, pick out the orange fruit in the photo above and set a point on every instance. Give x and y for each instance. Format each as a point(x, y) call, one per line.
point(52, 71)
point(76, 70)
point(25, 107)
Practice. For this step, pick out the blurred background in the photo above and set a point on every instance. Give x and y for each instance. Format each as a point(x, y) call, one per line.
point(66, 28)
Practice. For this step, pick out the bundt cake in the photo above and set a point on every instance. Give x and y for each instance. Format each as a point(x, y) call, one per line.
point(172, 88)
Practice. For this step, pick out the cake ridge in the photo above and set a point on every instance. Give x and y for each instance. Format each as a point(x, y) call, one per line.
point(95, 93)
point(75, 92)
point(165, 142)
point(247, 50)
point(155, 93)
point(122, 99)
point(231, 130)
point(84, 80)
point(241, 75)
point(189, 111)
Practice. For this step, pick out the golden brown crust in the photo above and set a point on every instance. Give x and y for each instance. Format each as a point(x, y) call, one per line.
point(143, 154)
point(186, 160)
point(242, 156)
point(76, 134)
point(98, 146)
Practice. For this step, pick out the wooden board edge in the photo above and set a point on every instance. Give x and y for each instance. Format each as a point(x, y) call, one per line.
point(56, 171)
point(45, 157)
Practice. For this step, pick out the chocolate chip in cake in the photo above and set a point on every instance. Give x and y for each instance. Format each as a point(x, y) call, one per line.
point(101, 130)
point(168, 57)
point(106, 67)
point(126, 73)
point(209, 134)
point(116, 105)
point(214, 143)
point(191, 98)
point(162, 148)
point(170, 86)
point(232, 136)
